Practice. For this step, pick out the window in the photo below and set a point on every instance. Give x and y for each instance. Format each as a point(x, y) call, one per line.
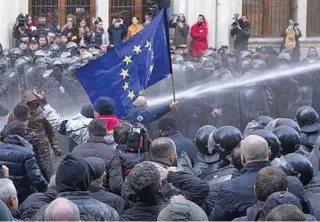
point(313, 29)
point(269, 17)
point(57, 10)
point(126, 9)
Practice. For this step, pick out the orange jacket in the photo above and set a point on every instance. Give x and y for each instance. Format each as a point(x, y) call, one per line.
point(134, 29)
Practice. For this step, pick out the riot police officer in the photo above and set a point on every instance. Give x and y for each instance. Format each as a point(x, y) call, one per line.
point(307, 119)
point(283, 122)
point(295, 165)
point(258, 124)
point(272, 140)
point(208, 159)
point(289, 138)
point(225, 140)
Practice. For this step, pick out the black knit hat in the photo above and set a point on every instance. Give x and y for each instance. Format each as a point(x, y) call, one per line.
point(104, 106)
point(88, 111)
point(168, 123)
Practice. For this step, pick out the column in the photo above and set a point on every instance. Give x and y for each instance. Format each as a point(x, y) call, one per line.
point(103, 11)
point(180, 6)
point(208, 9)
point(302, 16)
point(225, 13)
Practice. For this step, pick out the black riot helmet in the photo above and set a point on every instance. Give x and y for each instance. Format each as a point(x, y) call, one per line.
point(246, 65)
point(272, 140)
point(264, 120)
point(201, 139)
point(289, 138)
point(297, 165)
point(86, 57)
point(54, 49)
point(225, 139)
point(57, 63)
point(307, 119)
point(40, 54)
point(245, 55)
point(259, 64)
point(283, 122)
point(16, 53)
point(71, 46)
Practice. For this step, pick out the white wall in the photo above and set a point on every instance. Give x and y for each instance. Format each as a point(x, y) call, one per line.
point(9, 10)
point(192, 8)
point(103, 12)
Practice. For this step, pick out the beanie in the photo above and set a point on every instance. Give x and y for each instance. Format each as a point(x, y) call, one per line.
point(97, 167)
point(87, 111)
point(182, 210)
point(104, 106)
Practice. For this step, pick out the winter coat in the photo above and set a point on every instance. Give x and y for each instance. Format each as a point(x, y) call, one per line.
point(129, 159)
point(90, 209)
point(175, 183)
point(75, 128)
point(183, 144)
point(73, 179)
point(312, 191)
point(242, 37)
point(99, 147)
point(24, 170)
point(134, 29)
point(141, 211)
point(99, 37)
point(295, 55)
point(117, 34)
point(34, 202)
point(236, 195)
point(199, 42)
point(180, 34)
point(145, 116)
point(190, 187)
point(97, 192)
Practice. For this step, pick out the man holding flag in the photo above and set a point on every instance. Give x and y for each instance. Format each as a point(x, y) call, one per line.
point(128, 69)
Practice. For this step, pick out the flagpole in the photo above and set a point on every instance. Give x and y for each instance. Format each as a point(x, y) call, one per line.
point(166, 22)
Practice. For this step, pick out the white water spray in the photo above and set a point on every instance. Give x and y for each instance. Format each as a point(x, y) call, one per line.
point(206, 88)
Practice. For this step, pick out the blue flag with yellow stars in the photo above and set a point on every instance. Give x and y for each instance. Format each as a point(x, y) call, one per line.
point(124, 72)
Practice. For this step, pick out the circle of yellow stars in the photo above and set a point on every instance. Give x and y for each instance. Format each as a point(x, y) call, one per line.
point(125, 72)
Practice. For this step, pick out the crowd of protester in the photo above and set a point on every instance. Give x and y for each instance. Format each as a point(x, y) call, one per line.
point(242, 163)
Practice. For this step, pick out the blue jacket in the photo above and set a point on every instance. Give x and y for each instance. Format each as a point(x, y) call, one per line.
point(117, 34)
point(24, 170)
point(145, 116)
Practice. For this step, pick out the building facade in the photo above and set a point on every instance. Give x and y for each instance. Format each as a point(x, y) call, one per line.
point(268, 17)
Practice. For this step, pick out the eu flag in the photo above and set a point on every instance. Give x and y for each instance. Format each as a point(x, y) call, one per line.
point(124, 72)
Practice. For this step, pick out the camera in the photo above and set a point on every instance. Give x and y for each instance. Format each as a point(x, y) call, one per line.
point(137, 140)
point(223, 49)
point(236, 20)
point(22, 19)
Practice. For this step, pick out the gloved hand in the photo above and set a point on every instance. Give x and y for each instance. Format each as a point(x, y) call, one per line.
point(57, 152)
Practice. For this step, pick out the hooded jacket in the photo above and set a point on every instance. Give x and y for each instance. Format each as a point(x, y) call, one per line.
point(48, 137)
point(104, 149)
point(24, 170)
point(73, 179)
point(199, 42)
